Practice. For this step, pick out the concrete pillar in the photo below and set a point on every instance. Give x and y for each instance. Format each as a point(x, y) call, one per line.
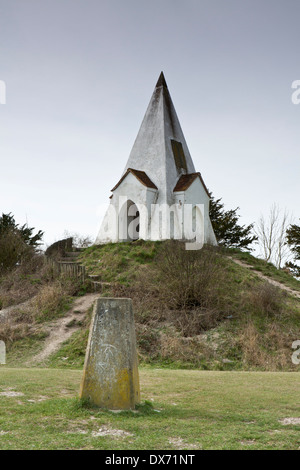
point(110, 376)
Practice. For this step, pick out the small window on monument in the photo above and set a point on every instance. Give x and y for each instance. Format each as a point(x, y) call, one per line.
point(179, 156)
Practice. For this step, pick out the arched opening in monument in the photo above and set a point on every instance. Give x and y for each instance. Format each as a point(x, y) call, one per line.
point(129, 221)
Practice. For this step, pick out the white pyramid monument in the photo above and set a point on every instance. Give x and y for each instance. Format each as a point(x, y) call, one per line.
point(159, 195)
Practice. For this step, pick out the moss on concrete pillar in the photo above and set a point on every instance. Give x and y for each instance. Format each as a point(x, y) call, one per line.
point(110, 376)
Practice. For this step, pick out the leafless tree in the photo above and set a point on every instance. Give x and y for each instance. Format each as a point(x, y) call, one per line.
point(79, 241)
point(271, 233)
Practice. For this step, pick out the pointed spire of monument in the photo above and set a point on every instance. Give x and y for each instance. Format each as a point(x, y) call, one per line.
point(161, 81)
point(160, 149)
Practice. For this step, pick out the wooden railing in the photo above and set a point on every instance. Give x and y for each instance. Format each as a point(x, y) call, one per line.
point(71, 269)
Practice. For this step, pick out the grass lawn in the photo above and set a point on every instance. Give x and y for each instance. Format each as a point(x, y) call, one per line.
point(180, 409)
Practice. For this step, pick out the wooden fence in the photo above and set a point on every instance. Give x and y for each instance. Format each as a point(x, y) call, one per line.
point(68, 268)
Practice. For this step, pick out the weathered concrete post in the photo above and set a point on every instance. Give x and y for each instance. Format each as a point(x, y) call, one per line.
point(110, 376)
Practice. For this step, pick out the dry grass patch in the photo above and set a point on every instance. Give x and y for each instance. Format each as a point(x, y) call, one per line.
point(268, 299)
point(24, 281)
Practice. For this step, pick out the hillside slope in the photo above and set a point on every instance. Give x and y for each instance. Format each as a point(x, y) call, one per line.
point(212, 309)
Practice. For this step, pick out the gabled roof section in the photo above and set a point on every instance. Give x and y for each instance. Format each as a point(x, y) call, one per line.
point(140, 175)
point(185, 182)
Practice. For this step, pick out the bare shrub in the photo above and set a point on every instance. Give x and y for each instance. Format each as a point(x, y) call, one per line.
point(10, 332)
point(24, 281)
point(271, 235)
point(32, 264)
point(249, 342)
point(148, 341)
point(185, 350)
point(16, 288)
point(13, 250)
point(52, 299)
point(163, 342)
point(182, 287)
point(79, 240)
point(193, 322)
point(267, 299)
point(189, 279)
point(269, 350)
point(175, 347)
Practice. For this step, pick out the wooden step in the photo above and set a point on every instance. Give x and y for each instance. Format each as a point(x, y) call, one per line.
point(94, 277)
point(72, 254)
point(67, 261)
point(98, 285)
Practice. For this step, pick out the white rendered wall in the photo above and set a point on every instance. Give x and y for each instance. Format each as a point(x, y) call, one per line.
point(115, 221)
point(155, 222)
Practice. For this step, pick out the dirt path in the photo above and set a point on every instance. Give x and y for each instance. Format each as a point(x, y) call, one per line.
point(268, 279)
point(62, 329)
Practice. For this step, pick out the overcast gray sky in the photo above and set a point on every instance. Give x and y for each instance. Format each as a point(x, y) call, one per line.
point(79, 75)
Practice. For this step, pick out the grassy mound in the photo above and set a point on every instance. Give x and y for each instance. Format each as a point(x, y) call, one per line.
point(195, 309)
point(119, 262)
